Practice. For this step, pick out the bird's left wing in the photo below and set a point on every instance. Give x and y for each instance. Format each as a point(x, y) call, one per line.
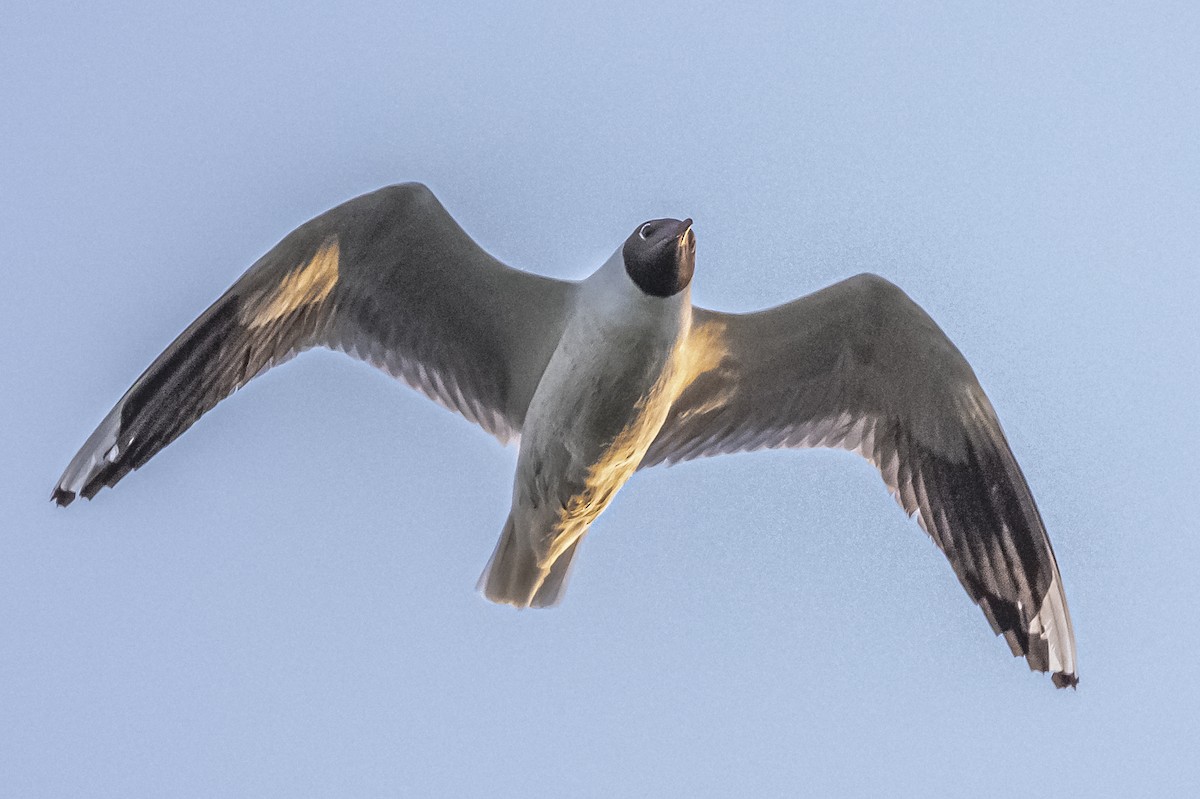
point(388, 277)
point(860, 366)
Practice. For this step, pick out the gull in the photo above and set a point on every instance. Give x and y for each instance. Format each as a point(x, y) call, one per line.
point(605, 376)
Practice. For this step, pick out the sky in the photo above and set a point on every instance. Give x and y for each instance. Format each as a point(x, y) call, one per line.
point(282, 602)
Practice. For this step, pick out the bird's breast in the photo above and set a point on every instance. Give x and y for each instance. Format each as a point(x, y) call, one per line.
point(600, 403)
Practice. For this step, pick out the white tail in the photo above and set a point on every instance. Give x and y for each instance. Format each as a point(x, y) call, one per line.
point(513, 576)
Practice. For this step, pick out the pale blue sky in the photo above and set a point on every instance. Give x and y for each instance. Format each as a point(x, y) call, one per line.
point(281, 603)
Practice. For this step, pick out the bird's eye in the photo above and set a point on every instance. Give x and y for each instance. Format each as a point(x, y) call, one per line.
point(645, 231)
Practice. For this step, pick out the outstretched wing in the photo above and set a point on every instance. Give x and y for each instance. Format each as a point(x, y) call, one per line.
point(389, 278)
point(860, 366)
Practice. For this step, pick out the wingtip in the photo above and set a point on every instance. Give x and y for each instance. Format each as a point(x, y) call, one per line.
point(1063, 680)
point(62, 497)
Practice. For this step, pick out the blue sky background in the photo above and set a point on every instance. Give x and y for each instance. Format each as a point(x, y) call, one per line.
point(281, 603)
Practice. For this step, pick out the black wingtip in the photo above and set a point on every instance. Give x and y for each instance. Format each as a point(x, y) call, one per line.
point(1064, 680)
point(62, 497)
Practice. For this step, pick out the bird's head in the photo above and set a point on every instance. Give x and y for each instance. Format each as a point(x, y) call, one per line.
point(660, 256)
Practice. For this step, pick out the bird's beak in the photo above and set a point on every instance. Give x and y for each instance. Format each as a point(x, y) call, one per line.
point(685, 236)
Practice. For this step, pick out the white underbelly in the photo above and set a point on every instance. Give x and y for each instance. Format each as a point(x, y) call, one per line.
point(601, 402)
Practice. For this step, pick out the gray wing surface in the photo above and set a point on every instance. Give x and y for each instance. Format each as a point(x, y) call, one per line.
point(389, 278)
point(859, 366)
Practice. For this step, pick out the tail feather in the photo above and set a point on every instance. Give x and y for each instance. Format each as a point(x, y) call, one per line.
point(513, 576)
point(550, 592)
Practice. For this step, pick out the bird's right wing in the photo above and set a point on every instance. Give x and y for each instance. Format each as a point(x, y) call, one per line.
point(388, 277)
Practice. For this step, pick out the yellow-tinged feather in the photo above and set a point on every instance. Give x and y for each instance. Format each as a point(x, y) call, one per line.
point(307, 285)
point(703, 351)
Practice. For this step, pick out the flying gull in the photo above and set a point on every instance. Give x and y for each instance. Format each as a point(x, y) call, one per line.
point(602, 377)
